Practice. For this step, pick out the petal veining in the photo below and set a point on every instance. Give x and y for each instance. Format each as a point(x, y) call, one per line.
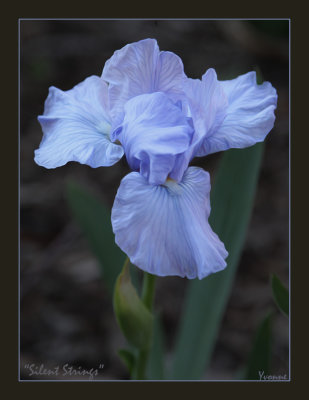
point(207, 104)
point(140, 68)
point(164, 229)
point(249, 115)
point(154, 134)
point(76, 127)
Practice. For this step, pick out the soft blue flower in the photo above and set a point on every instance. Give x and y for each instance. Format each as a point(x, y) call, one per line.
point(146, 107)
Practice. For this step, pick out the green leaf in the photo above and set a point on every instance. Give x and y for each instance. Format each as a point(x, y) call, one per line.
point(128, 358)
point(155, 370)
point(232, 199)
point(280, 294)
point(133, 317)
point(95, 222)
point(259, 359)
point(259, 75)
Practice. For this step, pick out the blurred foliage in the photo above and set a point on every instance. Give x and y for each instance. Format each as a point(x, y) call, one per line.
point(260, 356)
point(128, 358)
point(156, 368)
point(280, 295)
point(259, 359)
point(95, 221)
point(232, 199)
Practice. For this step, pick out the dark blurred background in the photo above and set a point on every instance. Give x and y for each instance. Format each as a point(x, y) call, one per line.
point(66, 312)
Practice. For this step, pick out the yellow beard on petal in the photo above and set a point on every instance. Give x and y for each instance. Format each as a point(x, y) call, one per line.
point(173, 186)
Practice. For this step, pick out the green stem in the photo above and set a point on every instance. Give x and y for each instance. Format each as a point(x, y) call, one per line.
point(126, 264)
point(148, 291)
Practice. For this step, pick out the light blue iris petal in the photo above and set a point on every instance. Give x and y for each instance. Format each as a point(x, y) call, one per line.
point(76, 127)
point(164, 229)
point(207, 103)
point(153, 133)
point(140, 68)
point(249, 115)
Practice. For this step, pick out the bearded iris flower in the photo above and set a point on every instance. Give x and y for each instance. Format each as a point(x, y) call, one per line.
point(144, 106)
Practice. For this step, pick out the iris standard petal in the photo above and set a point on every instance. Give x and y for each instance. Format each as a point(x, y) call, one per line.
point(140, 68)
point(249, 115)
point(154, 133)
point(164, 229)
point(207, 104)
point(76, 127)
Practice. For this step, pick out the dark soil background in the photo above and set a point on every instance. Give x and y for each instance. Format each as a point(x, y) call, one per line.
point(66, 312)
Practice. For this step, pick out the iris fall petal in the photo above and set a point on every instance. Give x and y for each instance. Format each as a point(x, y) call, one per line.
point(249, 115)
point(164, 229)
point(76, 127)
